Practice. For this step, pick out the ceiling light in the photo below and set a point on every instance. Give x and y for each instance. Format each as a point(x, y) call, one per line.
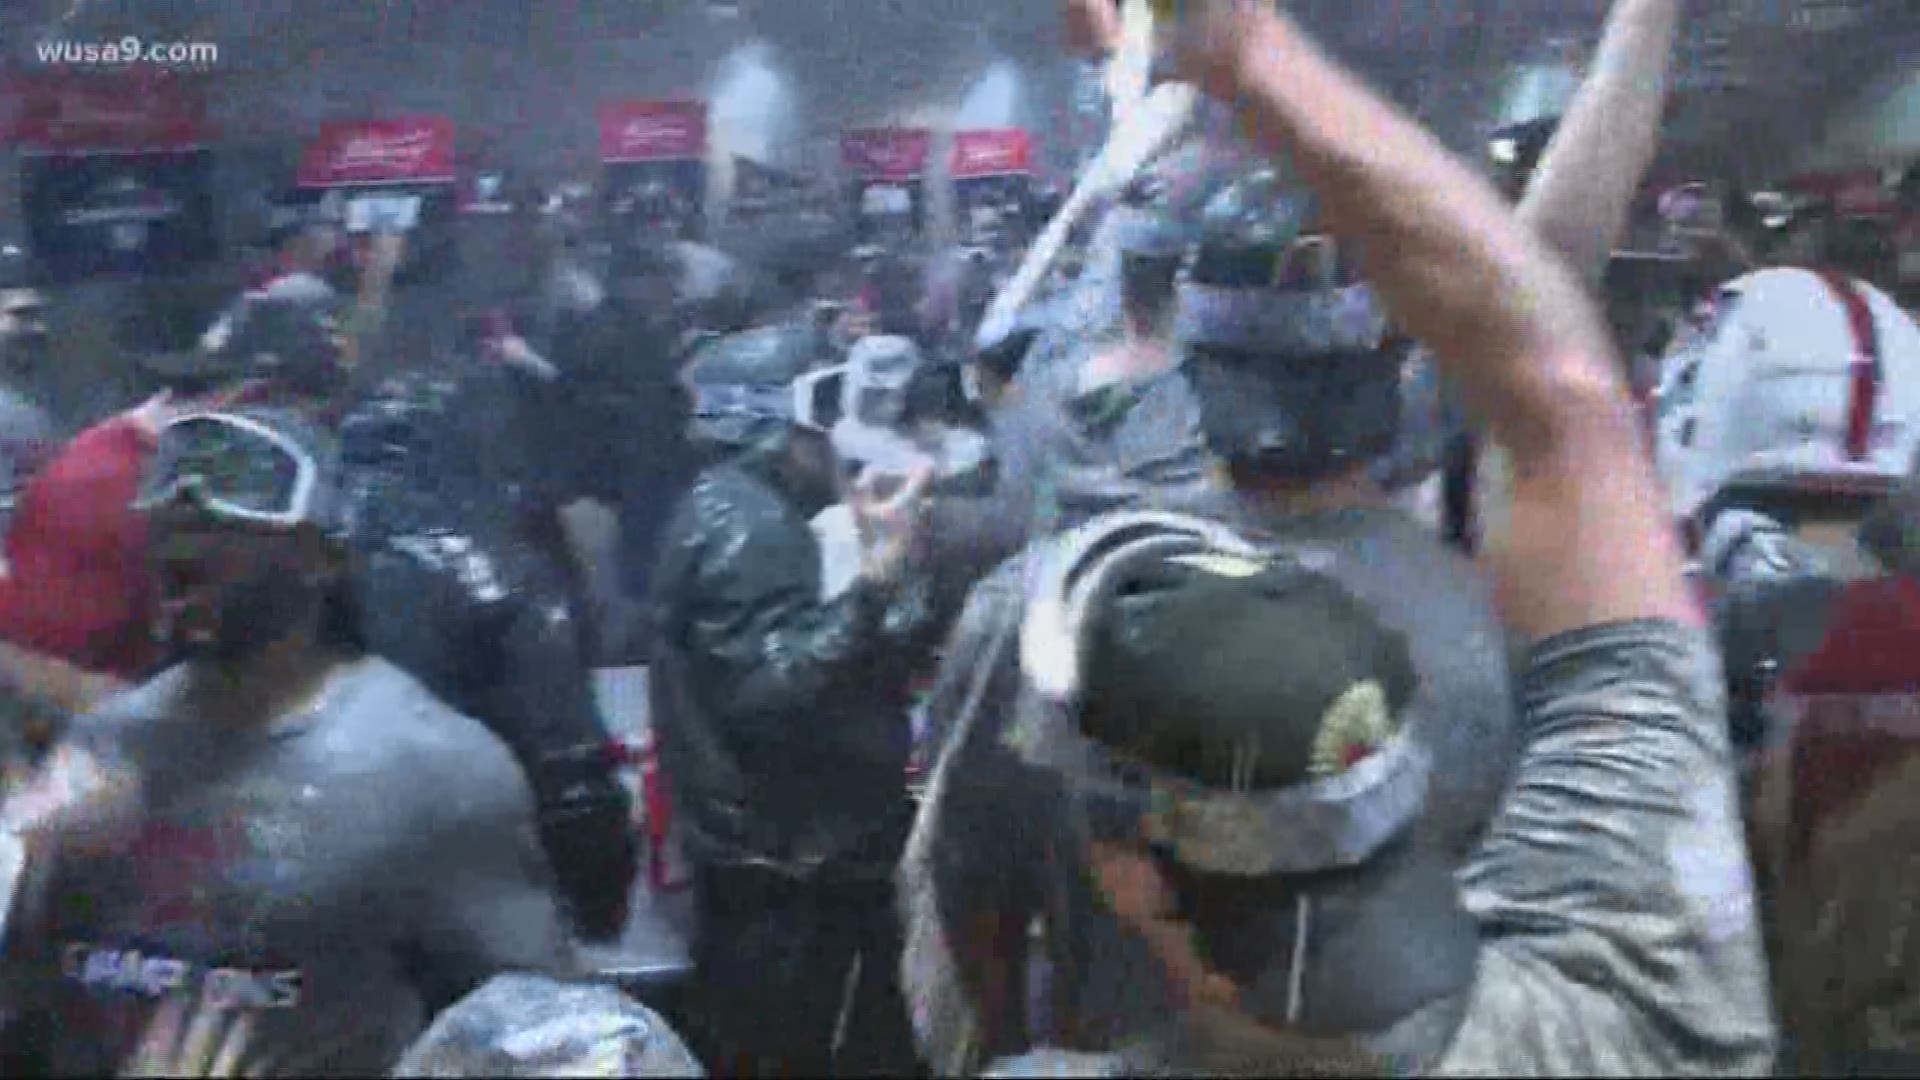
point(1504, 151)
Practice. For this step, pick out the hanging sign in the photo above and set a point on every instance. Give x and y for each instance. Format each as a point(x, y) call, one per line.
point(639, 131)
point(886, 154)
point(980, 154)
point(93, 113)
point(401, 150)
point(115, 176)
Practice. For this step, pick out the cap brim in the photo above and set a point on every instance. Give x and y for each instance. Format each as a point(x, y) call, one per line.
point(190, 366)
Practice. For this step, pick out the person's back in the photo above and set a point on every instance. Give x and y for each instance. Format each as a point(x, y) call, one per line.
point(1228, 725)
point(1464, 705)
point(1830, 801)
point(451, 590)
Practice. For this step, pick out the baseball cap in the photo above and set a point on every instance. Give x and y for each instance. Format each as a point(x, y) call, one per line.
point(261, 467)
point(527, 1025)
point(289, 337)
point(1239, 700)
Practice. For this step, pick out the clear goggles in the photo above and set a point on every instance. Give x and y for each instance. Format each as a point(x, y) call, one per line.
point(232, 468)
point(814, 401)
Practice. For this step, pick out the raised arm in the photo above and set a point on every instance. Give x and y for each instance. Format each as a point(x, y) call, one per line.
point(1507, 321)
point(1579, 196)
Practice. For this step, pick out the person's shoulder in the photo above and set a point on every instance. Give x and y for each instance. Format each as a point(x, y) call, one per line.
point(384, 705)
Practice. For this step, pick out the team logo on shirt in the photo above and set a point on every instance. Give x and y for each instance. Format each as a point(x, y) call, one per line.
point(112, 969)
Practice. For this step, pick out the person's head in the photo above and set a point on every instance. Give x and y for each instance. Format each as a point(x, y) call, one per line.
point(1291, 359)
point(761, 395)
point(1516, 151)
point(1153, 247)
point(305, 235)
point(1232, 724)
point(532, 1026)
point(881, 370)
point(288, 348)
point(1801, 398)
point(23, 330)
point(245, 536)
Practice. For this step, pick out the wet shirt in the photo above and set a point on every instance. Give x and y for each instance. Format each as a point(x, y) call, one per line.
point(1613, 894)
point(981, 841)
point(1065, 455)
point(339, 874)
point(782, 716)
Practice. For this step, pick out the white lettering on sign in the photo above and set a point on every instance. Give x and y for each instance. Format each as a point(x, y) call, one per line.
point(981, 157)
point(99, 967)
point(644, 134)
point(400, 153)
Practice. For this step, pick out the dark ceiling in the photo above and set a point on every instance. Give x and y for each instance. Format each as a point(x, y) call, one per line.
point(1755, 75)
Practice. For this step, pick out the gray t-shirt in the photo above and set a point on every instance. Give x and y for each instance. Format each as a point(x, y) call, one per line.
point(1613, 892)
point(340, 874)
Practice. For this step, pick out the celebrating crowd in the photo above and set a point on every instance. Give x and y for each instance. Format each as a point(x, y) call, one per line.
point(1335, 666)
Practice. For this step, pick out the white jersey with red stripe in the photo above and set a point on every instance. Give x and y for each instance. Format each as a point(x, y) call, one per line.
point(1795, 380)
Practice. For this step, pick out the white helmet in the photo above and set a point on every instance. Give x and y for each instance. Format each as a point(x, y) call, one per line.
point(1800, 382)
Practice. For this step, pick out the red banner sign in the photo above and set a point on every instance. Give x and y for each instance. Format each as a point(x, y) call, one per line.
point(653, 131)
point(106, 112)
point(1005, 152)
point(403, 150)
point(887, 153)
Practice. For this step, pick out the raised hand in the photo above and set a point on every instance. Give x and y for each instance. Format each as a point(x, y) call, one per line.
point(890, 513)
point(189, 1037)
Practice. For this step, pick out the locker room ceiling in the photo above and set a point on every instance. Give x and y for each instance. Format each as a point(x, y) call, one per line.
point(1766, 71)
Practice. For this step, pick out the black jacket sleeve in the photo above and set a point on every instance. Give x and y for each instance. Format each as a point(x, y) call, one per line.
point(585, 813)
point(770, 646)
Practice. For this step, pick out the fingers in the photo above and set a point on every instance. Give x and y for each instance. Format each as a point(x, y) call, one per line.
point(187, 1037)
point(156, 1051)
point(915, 488)
point(202, 1040)
point(902, 491)
point(234, 1047)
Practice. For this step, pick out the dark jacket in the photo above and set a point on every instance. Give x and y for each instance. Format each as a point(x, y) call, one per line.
point(782, 718)
point(452, 591)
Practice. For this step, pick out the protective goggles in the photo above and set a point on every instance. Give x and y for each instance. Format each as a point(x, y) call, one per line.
point(813, 401)
point(233, 468)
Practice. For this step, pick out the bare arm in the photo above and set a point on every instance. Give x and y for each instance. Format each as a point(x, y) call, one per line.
point(1508, 322)
point(1579, 196)
point(51, 681)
